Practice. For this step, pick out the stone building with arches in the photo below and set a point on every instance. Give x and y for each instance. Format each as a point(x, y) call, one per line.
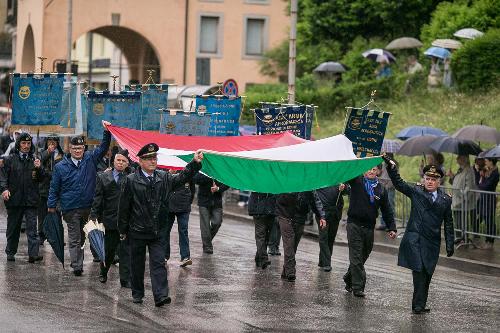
point(185, 41)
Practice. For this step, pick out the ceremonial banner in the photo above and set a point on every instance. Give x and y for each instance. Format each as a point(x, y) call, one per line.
point(297, 168)
point(224, 111)
point(43, 103)
point(122, 109)
point(277, 118)
point(171, 145)
point(366, 129)
point(154, 97)
point(184, 123)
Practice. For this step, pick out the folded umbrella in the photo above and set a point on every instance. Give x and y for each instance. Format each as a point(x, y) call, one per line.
point(94, 232)
point(455, 146)
point(54, 232)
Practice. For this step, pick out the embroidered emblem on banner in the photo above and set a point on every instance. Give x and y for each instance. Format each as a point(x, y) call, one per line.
point(98, 109)
point(24, 92)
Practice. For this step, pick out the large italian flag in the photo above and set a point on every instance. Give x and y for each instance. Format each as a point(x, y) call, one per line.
point(292, 167)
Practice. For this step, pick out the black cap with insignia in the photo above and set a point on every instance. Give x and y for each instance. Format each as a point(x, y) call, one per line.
point(148, 150)
point(25, 137)
point(77, 141)
point(433, 171)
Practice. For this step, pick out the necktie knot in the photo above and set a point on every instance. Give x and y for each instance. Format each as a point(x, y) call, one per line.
point(24, 156)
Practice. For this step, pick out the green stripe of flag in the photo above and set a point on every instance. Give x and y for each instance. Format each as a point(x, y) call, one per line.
point(270, 176)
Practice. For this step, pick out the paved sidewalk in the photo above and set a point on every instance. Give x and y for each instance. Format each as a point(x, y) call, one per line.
point(466, 258)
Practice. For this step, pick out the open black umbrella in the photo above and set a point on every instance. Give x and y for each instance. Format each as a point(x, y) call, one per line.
point(417, 145)
point(54, 232)
point(456, 146)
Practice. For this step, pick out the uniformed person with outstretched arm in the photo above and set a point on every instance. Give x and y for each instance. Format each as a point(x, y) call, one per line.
point(419, 249)
point(142, 218)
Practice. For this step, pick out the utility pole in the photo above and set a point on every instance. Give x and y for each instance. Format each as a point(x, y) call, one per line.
point(292, 52)
point(69, 42)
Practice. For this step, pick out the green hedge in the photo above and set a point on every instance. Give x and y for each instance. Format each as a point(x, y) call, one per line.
point(476, 65)
point(331, 99)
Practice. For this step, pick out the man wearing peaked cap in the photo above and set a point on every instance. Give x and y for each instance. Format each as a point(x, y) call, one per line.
point(19, 182)
point(433, 171)
point(151, 149)
point(420, 246)
point(142, 219)
point(73, 186)
point(105, 209)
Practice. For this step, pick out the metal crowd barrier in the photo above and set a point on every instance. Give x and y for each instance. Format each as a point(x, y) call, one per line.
point(475, 213)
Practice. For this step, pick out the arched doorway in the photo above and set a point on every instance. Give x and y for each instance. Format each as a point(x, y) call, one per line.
point(138, 53)
point(28, 60)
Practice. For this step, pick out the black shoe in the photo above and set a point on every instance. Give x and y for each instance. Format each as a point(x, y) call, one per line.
point(78, 272)
point(283, 276)
point(137, 300)
point(116, 260)
point(348, 288)
point(125, 284)
point(327, 268)
point(290, 278)
point(359, 293)
point(31, 260)
point(103, 278)
point(163, 301)
point(265, 264)
point(96, 260)
point(208, 251)
point(11, 257)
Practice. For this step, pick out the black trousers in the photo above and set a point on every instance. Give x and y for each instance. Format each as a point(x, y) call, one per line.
point(291, 233)
point(360, 242)
point(112, 244)
point(157, 269)
point(14, 220)
point(263, 226)
point(327, 239)
point(274, 237)
point(42, 213)
point(421, 282)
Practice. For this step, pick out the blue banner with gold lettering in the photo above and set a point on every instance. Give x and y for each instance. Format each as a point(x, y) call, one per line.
point(366, 130)
point(153, 98)
point(121, 109)
point(37, 99)
point(274, 118)
point(185, 123)
point(224, 114)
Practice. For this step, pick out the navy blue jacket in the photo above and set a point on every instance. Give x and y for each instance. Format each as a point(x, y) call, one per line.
point(75, 187)
point(422, 239)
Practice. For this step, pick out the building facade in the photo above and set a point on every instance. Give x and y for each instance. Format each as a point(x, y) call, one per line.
point(184, 41)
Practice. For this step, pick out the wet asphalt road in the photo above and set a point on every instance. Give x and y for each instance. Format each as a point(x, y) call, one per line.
point(225, 292)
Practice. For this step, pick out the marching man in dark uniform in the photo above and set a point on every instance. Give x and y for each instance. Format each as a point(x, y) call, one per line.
point(19, 181)
point(262, 207)
point(419, 249)
point(142, 217)
point(105, 209)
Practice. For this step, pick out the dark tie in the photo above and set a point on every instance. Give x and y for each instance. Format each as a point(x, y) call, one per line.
point(78, 164)
point(150, 178)
point(24, 157)
point(120, 177)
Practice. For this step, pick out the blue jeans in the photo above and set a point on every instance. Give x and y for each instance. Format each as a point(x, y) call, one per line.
point(182, 227)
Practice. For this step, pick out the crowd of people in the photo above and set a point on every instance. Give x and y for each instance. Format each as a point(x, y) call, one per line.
point(139, 203)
